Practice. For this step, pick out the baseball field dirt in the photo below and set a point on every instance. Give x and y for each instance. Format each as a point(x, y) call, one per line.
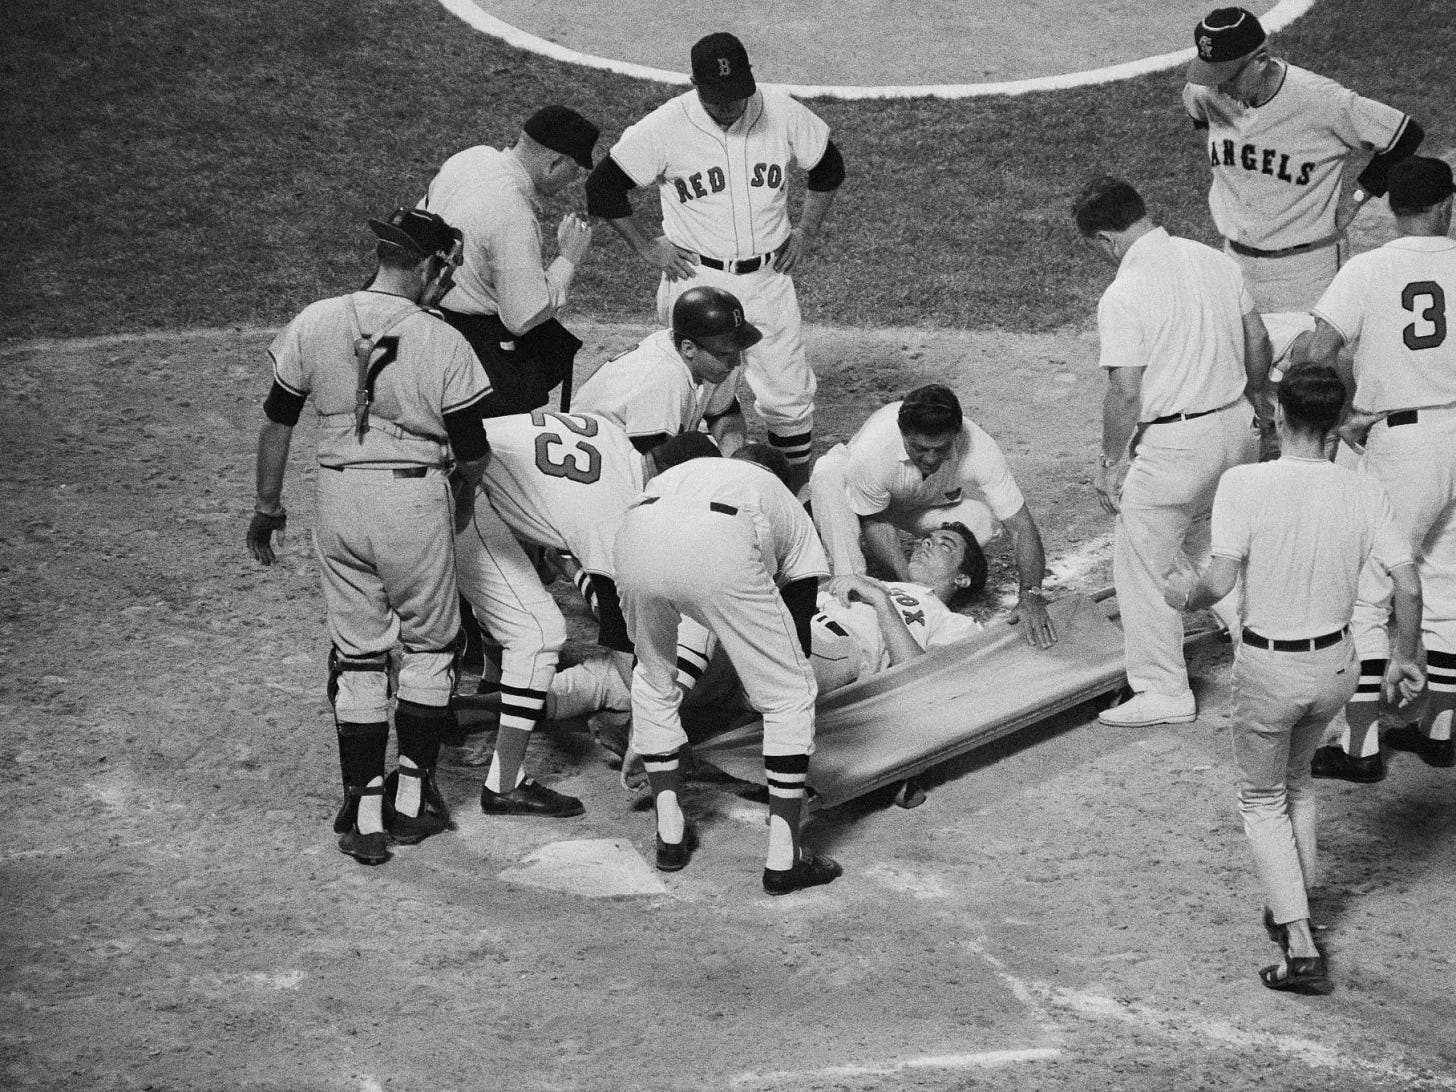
point(1072, 908)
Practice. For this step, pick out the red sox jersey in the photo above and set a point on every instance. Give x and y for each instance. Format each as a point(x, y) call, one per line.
point(1395, 305)
point(1277, 167)
point(650, 390)
point(563, 480)
point(929, 621)
point(423, 369)
point(723, 192)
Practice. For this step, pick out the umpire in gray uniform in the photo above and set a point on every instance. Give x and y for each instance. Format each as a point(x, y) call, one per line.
point(398, 393)
point(1299, 530)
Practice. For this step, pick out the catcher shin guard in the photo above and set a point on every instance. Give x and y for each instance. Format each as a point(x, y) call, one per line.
point(664, 778)
point(361, 762)
point(787, 777)
point(1361, 739)
point(358, 687)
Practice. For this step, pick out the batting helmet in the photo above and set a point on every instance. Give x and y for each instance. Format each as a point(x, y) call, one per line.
point(713, 319)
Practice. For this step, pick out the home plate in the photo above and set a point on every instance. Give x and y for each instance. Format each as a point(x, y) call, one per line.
point(600, 868)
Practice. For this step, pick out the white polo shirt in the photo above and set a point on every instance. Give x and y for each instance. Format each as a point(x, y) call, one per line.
point(1302, 529)
point(1395, 305)
point(650, 390)
point(487, 194)
point(879, 473)
point(1175, 310)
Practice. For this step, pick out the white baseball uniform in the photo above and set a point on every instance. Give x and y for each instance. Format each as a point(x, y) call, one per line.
point(650, 391)
point(1277, 171)
point(1393, 305)
point(724, 197)
point(1175, 310)
point(849, 644)
point(872, 475)
point(713, 540)
point(383, 536)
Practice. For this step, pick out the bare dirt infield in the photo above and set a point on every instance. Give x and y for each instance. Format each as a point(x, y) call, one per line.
point(1071, 909)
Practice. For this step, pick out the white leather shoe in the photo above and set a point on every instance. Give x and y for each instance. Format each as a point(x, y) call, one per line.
point(1147, 708)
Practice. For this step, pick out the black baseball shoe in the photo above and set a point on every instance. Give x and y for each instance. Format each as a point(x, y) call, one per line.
point(1334, 764)
point(408, 830)
point(811, 870)
point(674, 856)
point(1433, 752)
point(369, 849)
point(530, 798)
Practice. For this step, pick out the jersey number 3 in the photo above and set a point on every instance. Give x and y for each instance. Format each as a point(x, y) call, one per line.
point(581, 462)
point(1434, 314)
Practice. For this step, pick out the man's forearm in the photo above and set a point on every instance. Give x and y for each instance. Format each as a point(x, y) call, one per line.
point(882, 543)
point(816, 208)
point(274, 440)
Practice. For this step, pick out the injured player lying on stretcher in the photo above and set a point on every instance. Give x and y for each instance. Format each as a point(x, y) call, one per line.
point(862, 627)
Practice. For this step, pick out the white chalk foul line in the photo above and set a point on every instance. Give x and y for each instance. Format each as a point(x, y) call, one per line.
point(986, 1059)
point(467, 11)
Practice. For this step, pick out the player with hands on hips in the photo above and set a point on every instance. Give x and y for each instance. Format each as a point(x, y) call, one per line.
point(398, 395)
point(1298, 532)
point(912, 466)
point(1392, 306)
point(719, 156)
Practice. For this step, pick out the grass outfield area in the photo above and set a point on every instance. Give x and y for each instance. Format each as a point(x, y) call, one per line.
point(176, 164)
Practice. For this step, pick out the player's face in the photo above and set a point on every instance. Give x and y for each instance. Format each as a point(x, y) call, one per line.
point(1245, 84)
point(560, 175)
point(724, 113)
point(928, 453)
point(714, 366)
point(936, 559)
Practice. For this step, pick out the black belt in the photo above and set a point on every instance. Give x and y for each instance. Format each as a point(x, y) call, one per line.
point(1302, 248)
point(715, 506)
point(398, 472)
point(1170, 418)
point(746, 265)
point(1305, 644)
point(1402, 417)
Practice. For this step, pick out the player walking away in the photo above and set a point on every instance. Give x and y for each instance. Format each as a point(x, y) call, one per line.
point(681, 378)
point(724, 542)
point(719, 156)
point(1394, 306)
point(397, 392)
point(1278, 138)
point(1298, 531)
point(915, 465)
point(506, 300)
point(1185, 352)
point(865, 626)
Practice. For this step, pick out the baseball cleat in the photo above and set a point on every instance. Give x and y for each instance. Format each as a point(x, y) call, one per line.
point(674, 856)
point(369, 849)
point(1333, 764)
point(1146, 708)
point(1433, 752)
point(408, 830)
point(810, 871)
point(530, 798)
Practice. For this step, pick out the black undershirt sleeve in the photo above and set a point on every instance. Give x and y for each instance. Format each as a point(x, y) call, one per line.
point(801, 596)
point(466, 430)
point(282, 406)
point(611, 626)
point(1375, 178)
point(828, 173)
point(606, 191)
point(644, 444)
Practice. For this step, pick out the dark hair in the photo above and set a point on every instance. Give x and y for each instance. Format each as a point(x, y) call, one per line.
point(682, 447)
point(1312, 397)
point(1107, 204)
point(973, 565)
point(770, 458)
point(931, 410)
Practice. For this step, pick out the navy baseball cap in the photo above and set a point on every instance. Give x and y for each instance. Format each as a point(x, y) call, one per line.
point(1225, 38)
point(721, 71)
point(565, 132)
point(1418, 182)
point(416, 230)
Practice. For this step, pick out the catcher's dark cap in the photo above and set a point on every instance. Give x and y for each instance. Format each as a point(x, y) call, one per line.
point(931, 410)
point(1223, 40)
point(682, 447)
point(1418, 183)
point(422, 232)
point(714, 319)
point(721, 71)
point(565, 132)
